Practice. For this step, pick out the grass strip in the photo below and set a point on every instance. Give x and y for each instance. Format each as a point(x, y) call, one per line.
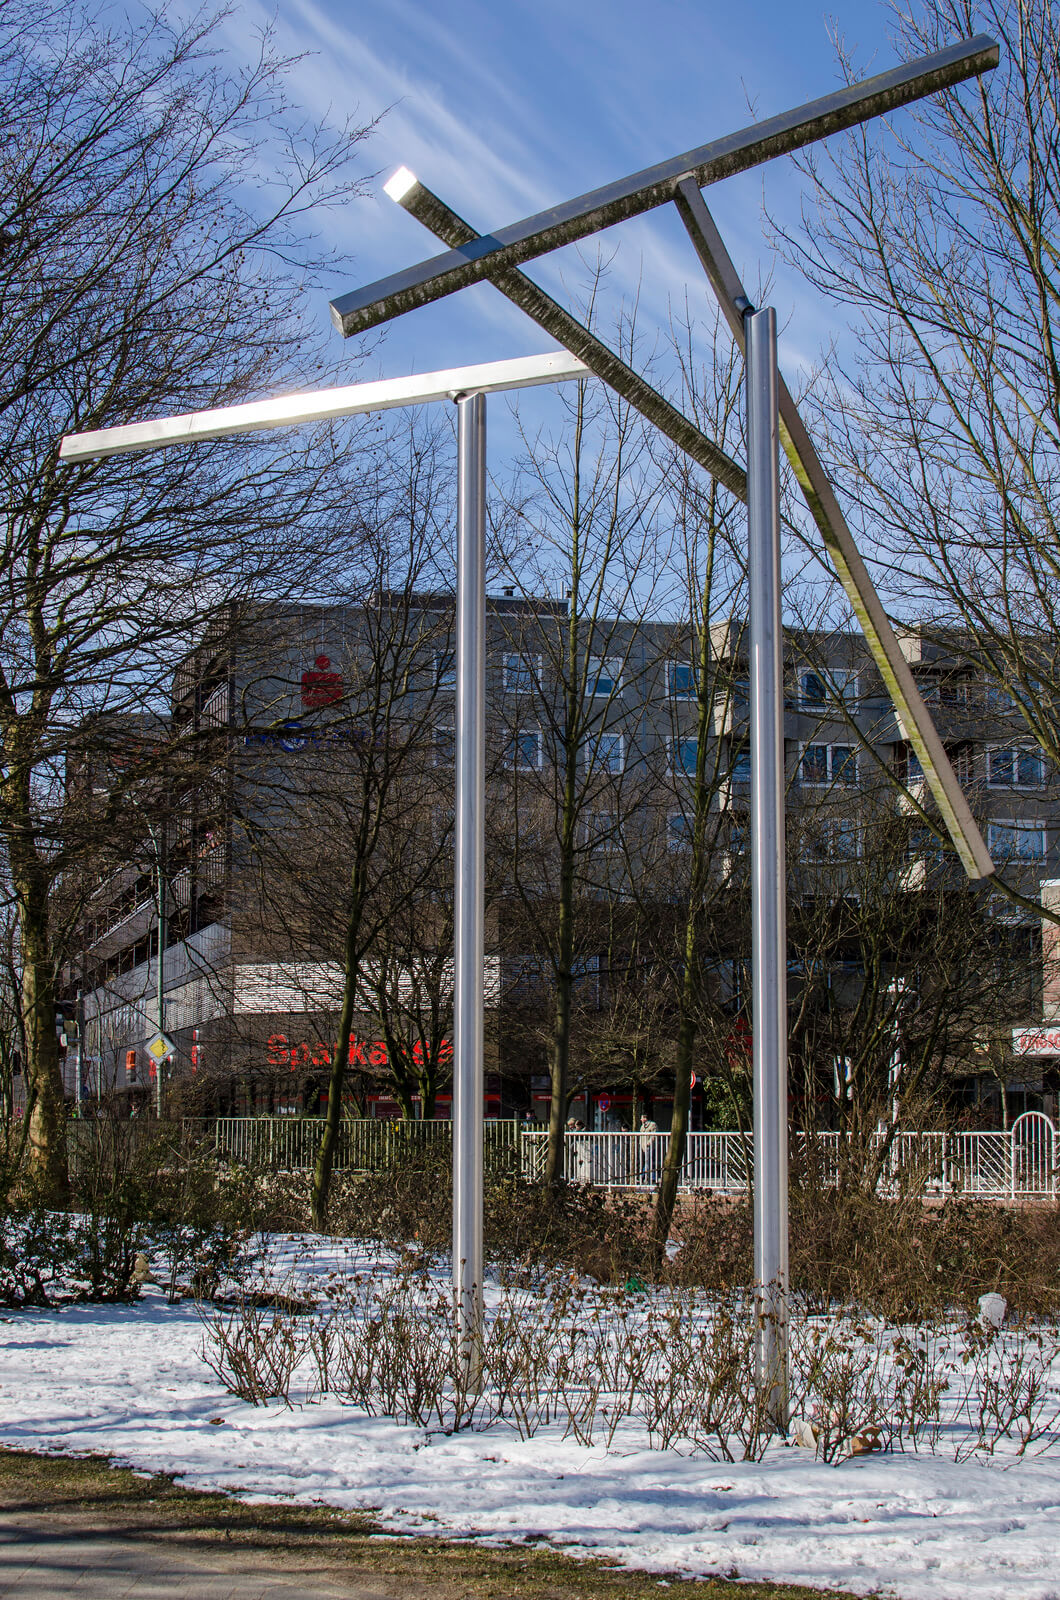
point(327, 1544)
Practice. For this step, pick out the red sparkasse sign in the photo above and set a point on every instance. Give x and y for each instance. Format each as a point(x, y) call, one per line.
point(362, 1052)
point(321, 686)
point(1043, 1041)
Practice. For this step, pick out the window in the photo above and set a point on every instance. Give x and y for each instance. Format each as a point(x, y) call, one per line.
point(524, 751)
point(829, 763)
point(925, 845)
point(521, 673)
point(812, 691)
point(681, 680)
point(907, 765)
point(604, 675)
point(1007, 700)
point(1014, 768)
point(818, 689)
point(833, 839)
point(444, 746)
point(611, 752)
point(678, 831)
point(1016, 840)
point(600, 829)
point(445, 670)
point(683, 756)
point(741, 763)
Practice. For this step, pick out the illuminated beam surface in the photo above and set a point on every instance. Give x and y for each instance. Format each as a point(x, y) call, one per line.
point(287, 410)
point(853, 574)
point(522, 241)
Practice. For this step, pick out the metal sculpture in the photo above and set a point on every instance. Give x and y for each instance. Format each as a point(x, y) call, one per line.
point(496, 258)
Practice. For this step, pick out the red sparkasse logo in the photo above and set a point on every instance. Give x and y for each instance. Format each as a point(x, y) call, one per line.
point(321, 686)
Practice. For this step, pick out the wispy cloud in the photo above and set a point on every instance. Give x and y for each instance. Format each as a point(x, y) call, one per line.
point(507, 109)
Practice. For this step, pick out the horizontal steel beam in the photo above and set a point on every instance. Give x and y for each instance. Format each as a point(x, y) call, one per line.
point(853, 574)
point(629, 197)
point(448, 226)
point(285, 410)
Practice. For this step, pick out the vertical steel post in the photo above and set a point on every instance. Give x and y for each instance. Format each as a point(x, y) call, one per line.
point(768, 907)
point(469, 910)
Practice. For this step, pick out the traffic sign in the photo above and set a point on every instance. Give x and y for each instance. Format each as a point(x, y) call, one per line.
point(160, 1047)
point(604, 1102)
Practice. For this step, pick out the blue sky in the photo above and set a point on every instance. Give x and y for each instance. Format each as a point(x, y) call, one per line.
point(504, 108)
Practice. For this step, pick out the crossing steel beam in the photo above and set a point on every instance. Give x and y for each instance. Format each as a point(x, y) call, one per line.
point(483, 257)
point(447, 225)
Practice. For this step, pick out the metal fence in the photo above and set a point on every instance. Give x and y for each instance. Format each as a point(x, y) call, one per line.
point(1022, 1163)
point(366, 1144)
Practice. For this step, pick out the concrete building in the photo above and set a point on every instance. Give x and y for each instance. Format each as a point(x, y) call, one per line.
point(280, 721)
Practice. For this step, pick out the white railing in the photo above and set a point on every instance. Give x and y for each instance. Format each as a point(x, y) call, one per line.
point(1023, 1163)
point(366, 1144)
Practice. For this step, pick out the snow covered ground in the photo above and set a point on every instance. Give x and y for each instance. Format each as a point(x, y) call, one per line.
point(130, 1381)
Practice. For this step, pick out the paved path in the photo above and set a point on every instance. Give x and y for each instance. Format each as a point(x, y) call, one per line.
point(47, 1557)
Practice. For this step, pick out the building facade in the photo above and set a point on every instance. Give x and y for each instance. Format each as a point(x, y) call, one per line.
point(299, 730)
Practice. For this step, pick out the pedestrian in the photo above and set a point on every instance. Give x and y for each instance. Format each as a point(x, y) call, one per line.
point(649, 1141)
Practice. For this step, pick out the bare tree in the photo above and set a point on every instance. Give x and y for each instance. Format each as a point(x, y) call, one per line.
point(364, 839)
point(586, 510)
point(143, 268)
point(942, 407)
point(707, 702)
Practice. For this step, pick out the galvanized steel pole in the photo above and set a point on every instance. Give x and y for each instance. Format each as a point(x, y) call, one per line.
point(469, 945)
point(768, 906)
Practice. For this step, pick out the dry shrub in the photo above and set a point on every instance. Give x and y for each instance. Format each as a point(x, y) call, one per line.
point(903, 1258)
point(132, 1189)
point(674, 1362)
point(907, 1259)
point(900, 1257)
point(597, 1233)
point(255, 1352)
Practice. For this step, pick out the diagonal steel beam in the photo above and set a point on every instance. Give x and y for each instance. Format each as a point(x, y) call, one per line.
point(448, 226)
point(853, 574)
point(629, 197)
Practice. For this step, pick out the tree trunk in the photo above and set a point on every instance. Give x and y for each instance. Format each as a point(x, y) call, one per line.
point(31, 881)
point(329, 1141)
point(666, 1199)
point(560, 1053)
point(46, 1141)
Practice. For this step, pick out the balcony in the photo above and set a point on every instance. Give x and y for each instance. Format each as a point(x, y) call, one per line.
point(212, 869)
point(127, 929)
point(730, 712)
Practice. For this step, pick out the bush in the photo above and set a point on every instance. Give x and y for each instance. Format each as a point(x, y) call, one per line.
point(905, 1258)
point(676, 1363)
point(133, 1189)
point(597, 1233)
point(33, 1250)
